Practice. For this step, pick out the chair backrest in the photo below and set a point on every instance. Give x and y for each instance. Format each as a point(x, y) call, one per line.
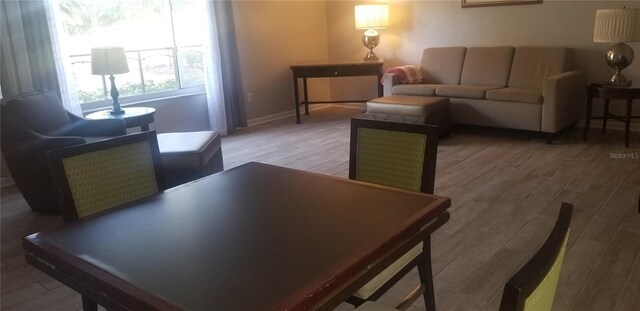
point(98, 176)
point(40, 111)
point(394, 154)
point(533, 287)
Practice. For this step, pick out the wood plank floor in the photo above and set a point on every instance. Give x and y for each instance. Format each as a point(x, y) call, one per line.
point(506, 188)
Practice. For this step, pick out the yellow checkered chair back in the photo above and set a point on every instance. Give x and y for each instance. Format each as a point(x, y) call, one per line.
point(99, 176)
point(393, 154)
point(533, 287)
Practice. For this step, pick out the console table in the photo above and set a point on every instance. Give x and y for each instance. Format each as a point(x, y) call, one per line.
point(332, 70)
point(608, 93)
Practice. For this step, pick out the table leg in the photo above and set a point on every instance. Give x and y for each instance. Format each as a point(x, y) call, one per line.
point(587, 119)
point(380, 86)
point(296, 100)
point(605, 115)
point(627, 126)
point(88, 305)
point(306, 96)
point(144, 128)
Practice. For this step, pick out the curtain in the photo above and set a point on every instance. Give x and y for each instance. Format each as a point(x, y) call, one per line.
point(223, 83)
point(30, 57)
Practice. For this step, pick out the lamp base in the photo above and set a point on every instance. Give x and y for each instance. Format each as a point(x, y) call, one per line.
point(619, 56)
point(115, 112)
point(371, 57)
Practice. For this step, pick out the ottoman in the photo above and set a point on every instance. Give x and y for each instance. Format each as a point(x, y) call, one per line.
point(188, 156)
point(411, 109)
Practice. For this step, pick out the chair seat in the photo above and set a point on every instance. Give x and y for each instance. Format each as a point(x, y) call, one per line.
point(388, 273)
point(188, 150)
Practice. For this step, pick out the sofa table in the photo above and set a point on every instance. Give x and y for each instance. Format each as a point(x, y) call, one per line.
point(132, 116)
point(328, 71)
point(608, 93)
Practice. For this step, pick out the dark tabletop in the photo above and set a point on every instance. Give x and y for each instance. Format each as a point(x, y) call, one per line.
point(257, 237)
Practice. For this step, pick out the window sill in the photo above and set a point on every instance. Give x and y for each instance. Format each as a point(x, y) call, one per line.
point(141, 99)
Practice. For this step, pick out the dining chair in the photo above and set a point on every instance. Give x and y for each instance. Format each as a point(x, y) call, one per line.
point(399, 155)
point(533, 287)
point(95, 177)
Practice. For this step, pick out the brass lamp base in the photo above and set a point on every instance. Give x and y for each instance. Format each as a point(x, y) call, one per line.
point(619, 56)
point(371, 39)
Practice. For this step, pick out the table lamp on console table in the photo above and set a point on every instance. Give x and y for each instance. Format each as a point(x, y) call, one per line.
point(109, 61)
point(618, 25)
point(371, 17)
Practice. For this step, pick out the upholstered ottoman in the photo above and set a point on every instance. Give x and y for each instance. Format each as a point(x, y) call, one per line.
point(411, 109)
point(189, 155)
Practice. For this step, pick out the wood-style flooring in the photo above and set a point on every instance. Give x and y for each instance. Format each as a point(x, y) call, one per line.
point(506, 188)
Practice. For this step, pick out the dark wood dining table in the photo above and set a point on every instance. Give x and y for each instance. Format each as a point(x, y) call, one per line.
point(255, 237)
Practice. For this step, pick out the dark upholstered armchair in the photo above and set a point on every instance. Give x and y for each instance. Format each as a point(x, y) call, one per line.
point(33, 123)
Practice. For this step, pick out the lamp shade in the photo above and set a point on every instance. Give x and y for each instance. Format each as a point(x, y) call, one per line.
point(108, 60)
point(371, 16)
point(617, 25)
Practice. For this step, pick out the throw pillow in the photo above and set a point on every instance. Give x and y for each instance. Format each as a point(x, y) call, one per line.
point(408, 74)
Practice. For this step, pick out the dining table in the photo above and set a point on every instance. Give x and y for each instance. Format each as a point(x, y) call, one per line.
point(254, 237)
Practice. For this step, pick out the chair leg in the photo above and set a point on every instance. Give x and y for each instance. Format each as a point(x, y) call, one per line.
point(426, 276)
point(88, 305)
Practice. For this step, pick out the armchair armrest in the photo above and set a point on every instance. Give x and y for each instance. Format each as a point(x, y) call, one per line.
point(88, 128)
point(562, 94)
point(388, 81)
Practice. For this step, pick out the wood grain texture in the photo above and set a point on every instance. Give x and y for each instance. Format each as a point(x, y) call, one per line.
point(506, 188)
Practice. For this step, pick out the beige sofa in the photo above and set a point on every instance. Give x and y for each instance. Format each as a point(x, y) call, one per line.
point(526, 88)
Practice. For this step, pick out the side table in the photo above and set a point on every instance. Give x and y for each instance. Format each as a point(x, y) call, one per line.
point(608, 93)
point(328, 71)
point(132, 116)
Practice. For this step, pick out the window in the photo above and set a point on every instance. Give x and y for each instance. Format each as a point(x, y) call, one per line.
point(163, 41)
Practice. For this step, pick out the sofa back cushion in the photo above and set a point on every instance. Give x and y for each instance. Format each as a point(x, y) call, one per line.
point(487, 66)
point(442, 65)
point(41, 111)
point(532, 64)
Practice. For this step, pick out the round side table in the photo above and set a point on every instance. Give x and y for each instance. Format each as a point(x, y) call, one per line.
point(608, 93)
point(132, 116)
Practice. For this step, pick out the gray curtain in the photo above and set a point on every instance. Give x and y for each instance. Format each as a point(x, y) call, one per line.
point(233, 91)
point(26, 52)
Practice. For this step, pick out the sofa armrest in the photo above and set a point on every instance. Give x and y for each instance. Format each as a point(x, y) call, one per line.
point(94, 128)
point(562, 94)
point(388, 81)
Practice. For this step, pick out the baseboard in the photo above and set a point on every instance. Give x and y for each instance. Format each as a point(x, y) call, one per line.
point(287, 114)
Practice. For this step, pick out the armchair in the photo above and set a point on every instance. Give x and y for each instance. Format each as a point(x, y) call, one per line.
point(30, 125)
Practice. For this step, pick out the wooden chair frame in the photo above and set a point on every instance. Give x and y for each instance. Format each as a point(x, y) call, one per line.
point(527, 279)
point(431, 152)
point(55, 157)
point(422, 261)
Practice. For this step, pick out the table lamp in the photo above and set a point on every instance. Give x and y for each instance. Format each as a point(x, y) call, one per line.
point(371, 17)
point(617, 25)
point(109, 61)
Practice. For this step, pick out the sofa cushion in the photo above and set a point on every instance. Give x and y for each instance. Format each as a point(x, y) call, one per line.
point(414, 89)
point(514, 94)
point(464, 91)
point(442, 65)
point(417, 106)
point(487, 66)
point(532, 64)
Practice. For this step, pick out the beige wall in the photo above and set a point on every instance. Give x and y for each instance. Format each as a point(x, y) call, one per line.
point(272, 35)
point(416, 25)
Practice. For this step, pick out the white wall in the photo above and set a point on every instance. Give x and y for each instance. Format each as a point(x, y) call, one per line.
point(416, 25)
point(273, 35)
